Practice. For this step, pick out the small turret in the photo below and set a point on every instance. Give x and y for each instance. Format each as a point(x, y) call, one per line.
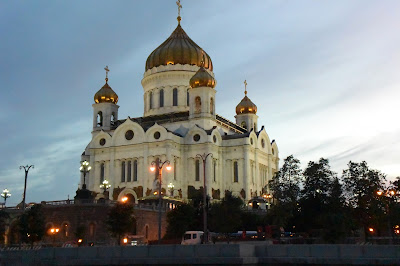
point(246, 112)
point(105, 109)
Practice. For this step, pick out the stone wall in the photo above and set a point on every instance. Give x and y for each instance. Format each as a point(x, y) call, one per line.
point(220, 254)
point(91, 218)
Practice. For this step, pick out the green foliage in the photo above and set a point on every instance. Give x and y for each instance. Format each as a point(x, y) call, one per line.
point(225, 216)
point(285, 186)
point(361, 185)
point(180, 220)
point(31, 224)
point(120, 220)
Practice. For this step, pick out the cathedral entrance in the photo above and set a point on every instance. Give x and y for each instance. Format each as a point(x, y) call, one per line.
point(129, 198)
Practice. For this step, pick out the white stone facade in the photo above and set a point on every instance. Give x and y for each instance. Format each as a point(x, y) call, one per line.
point(243, 161)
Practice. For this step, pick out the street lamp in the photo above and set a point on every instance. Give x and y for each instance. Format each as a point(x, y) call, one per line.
point(204, 158)
point(157, 165)
point(26, 168)
point(6, 194)
point(85, 168)
point(53, 232)
point(171, 189)
point(105, 185)
point(388, 194)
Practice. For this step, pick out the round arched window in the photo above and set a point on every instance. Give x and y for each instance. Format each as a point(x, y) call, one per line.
point(129, 134)
point(157, 135)
point(196, 137)
point(102, 142)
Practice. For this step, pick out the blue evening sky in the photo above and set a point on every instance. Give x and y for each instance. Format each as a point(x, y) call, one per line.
point(324, 75)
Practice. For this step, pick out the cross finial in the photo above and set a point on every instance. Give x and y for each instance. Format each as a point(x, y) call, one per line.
point(245, 87)
point(107, 70)
point(178, 3)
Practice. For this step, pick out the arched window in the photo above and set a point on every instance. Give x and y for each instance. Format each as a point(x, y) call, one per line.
point(197, 104)
point(235, 172)
point(175, 97)
point(65, 229)
point(161, 98)
point(151, 100)
point(123, 172)
point(187, 97)
point(175, 169)
point(129, 178)
point(101, 173)
point(243, 124)
point(197, 170)
point(135, 171)
point(100, 119)
point(112, 117)
point(211, 106)
point(92, 229)
point(215, 171)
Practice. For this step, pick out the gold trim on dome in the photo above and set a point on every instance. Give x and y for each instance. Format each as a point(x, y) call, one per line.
point(106, 94)
point(178, 49)
point(202, 79)
point(246, 106)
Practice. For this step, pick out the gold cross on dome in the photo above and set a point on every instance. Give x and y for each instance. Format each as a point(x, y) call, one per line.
point(107, 70)
point(178, 3)
point(245, 87)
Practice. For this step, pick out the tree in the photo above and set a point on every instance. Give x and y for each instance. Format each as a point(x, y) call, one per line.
point(225, 216)
point(317, 187)
point(285, 186)
point(120, 220)
point(31, 225)
point(180, 220)
point(361, 185)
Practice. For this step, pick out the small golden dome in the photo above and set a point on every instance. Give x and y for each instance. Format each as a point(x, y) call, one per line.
point(246, 106)
point(202, 79)
point(178, 49)
point(106, 95)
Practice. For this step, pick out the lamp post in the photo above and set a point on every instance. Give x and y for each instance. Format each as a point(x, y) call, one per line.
point(157, 165)
point(204, 158)
point(85, 168)
point(171, 189)
point(388, 194)
point(26, 168)
point(6, 194)
point(54, 231)
point(105, 185)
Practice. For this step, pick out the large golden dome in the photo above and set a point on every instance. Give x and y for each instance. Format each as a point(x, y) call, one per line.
point(202, 79)
point(246, 106)
point(178, 49)
point(106, 95)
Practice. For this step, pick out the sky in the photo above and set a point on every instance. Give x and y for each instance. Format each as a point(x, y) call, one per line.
point(323, 74)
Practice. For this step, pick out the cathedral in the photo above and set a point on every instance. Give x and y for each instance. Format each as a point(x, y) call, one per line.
point(180, 127)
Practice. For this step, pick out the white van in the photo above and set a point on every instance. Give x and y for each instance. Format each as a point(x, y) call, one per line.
point(192, 237)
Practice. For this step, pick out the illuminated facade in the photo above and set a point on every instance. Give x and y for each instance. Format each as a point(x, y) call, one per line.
point(179, 122)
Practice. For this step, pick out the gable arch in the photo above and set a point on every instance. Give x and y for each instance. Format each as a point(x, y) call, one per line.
point(119, 134)
point(267, 143)
point(126, 191)
point(217, 134)
point(195, 130)
point(95, 143)
point(149, 135)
